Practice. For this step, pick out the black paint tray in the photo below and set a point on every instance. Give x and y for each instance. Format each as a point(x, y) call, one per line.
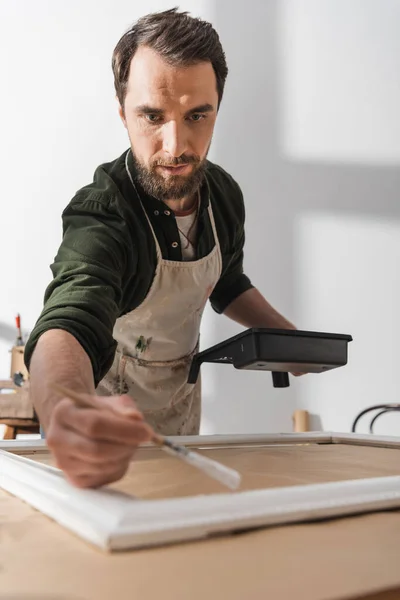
point(281, 351)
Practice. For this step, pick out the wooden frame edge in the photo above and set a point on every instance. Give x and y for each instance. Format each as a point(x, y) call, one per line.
point(241, 439)
point(116, 521)
point(360, 439)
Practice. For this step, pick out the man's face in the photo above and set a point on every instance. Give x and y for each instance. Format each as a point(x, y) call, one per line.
point(170, 114)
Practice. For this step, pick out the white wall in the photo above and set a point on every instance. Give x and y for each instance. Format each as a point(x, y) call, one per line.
point(313, 166)
point(340, 126)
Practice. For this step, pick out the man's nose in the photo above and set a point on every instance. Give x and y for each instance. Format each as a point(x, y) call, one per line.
point(174, 139)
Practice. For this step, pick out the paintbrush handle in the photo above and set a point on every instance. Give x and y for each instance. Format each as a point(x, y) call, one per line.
point(158, 439)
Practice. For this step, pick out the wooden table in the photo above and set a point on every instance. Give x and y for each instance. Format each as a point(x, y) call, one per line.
point(354, 557)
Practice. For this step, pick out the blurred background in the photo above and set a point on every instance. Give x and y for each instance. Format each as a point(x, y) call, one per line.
point(310, 128)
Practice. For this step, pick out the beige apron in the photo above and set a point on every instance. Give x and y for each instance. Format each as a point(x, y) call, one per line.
point(157, 340)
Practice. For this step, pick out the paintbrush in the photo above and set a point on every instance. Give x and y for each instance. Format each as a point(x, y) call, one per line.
point(212, 468)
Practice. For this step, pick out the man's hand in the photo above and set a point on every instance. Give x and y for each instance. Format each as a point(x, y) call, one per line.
point(94, 447)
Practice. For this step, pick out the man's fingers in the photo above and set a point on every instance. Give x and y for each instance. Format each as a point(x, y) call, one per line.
point(83, 476)
point(102, 425)
point(87, 450)
point(89, 464)
point(94, 446)
point(76, 467)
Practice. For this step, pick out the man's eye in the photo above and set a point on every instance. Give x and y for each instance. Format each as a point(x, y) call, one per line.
point(152, 118)
point(197, 117)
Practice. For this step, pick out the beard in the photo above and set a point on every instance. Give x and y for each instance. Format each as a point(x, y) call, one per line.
point(175, 187)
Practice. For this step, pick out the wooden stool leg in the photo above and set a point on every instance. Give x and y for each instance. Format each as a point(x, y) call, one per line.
point(10, 433)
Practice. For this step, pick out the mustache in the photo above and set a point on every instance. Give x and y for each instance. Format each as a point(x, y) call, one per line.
point(180, 160)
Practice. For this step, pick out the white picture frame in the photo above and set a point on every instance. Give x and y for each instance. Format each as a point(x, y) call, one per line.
point(115, 521)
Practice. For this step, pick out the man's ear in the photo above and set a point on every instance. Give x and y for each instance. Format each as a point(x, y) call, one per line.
point(121, 112)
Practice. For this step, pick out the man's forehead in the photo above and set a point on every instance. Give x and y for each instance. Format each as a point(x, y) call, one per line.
point(152, 78)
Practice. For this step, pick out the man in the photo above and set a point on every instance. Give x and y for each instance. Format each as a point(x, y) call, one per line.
point(158, 232)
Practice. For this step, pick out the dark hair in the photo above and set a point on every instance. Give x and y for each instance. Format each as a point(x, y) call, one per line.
point(179, 38)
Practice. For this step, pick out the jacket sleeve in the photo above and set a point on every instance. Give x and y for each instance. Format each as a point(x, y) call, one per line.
point(85, 295)
point(233, 281)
